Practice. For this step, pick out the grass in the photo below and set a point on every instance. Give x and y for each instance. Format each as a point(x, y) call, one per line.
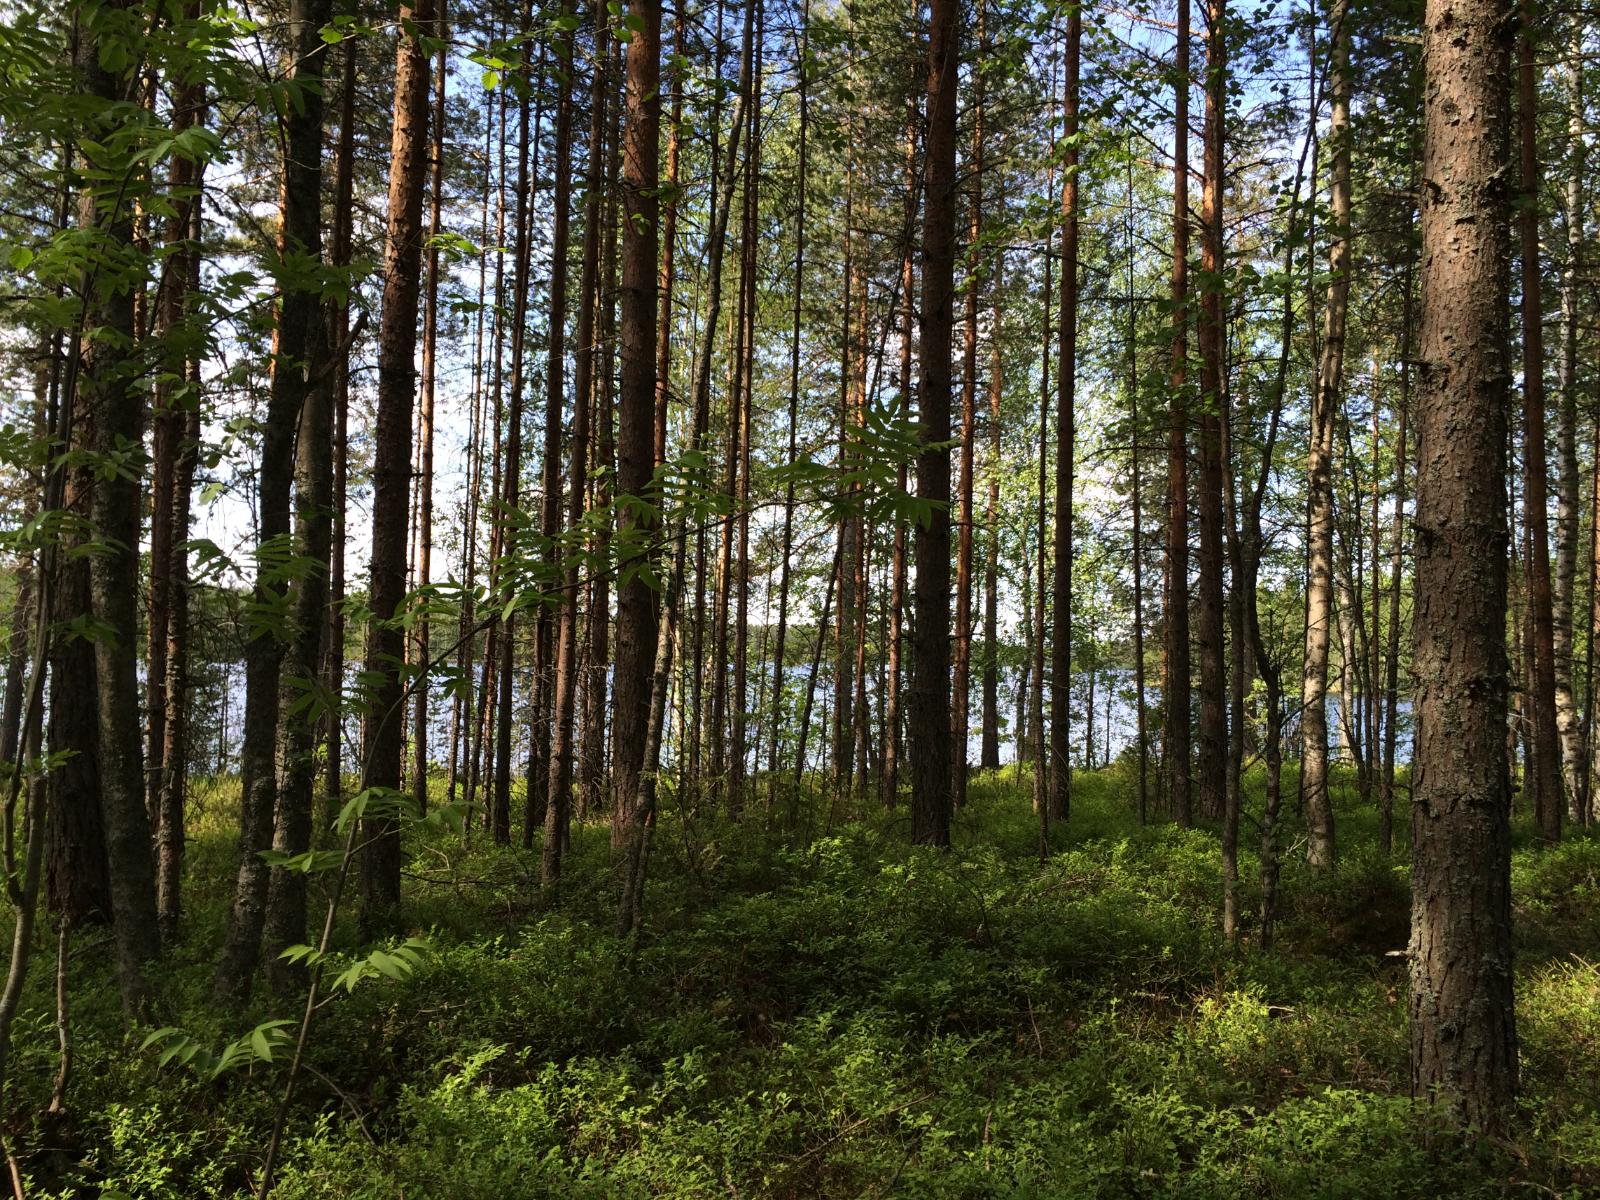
point(823, 1012)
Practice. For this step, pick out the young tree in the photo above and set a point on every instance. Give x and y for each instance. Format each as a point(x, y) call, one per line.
point(1175, 682)
point(1325, 401)
point(1066, 435)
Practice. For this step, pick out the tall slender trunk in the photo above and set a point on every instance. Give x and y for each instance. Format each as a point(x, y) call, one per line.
point(1136, 433)
point(1314, 796)
point(176, 444)
point(669, 233)
point(636, 609)
point(510, 495)
point(1391, 665)
point(339, 256)
point(1066, 436)
point(563, 700)
point(747, 274)
point(892, 742)
point(1568, 509)
point(780, 643)
point(383, 740)
point(1212, 748)
point(425, 421)
point(554, 824)
point(595, 784)
point(960, 688)
point(1175, 682)
point(285, 922)
point(297, 368)
point(930, 668)
point(989, 751)
point(109, 367)
point(1544, 743)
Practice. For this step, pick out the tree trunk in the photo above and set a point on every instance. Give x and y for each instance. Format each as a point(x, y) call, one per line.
point(1463, 1032)
point(1314, 796)
point(109, 368)
point(339, 256)
point(780, 644)
point(930, 669)
point(1212, 746)
point(636, 608)
point(383, 739)
point(961, 687)
point(1066, 436)
point(297, 369)
point(1548, 805)
point(564, 696)
point(1175, 681)
point(1568, 511)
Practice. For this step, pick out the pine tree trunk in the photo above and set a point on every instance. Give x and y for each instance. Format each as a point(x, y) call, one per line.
point(1175, 674)
point(339, 256)
point(298, 368)
point(960, 688)
point(1544, 745)
point(780, 645)
point(1568, 512)
point(1463, 1032)
point(1212, 747)
point(930, 669)
point(107, 378)
point(636, 607)
point(383, 739)
point(564, 696)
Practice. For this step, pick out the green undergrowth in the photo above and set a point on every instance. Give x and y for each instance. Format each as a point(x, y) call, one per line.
point(815, 1010)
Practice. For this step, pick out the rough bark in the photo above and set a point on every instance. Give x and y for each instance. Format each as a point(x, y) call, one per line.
point(1544, 736)
point(1175, 681)
point(929, 699)
point(1212, 732)
point(1568, 512)
point(636, 606)
point(107, 392)
point(297, 370)
point(383, 738)
point(1463, 1031)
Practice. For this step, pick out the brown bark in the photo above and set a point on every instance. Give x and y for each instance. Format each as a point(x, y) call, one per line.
point(1212, 732)
point(780, 643)
point(636, 608)
point(930, 670)
point(1568, 510)
point(1463, 1032)
point(297, 370)
point(425, 407)
point(564, 695)
point(383, 740)
point(339, 256)
point(1549, 806)
point(960, 688)
point(1175, 681)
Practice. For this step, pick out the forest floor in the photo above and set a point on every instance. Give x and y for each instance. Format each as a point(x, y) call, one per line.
point(816, 1012)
